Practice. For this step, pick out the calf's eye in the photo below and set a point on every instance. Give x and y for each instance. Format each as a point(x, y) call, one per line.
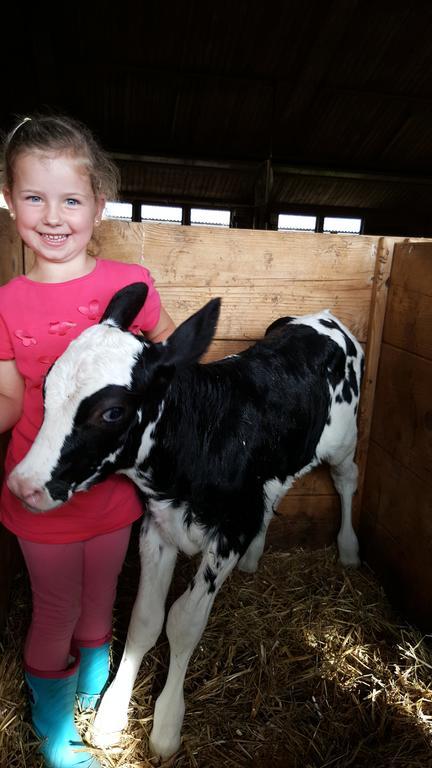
point(112, 415)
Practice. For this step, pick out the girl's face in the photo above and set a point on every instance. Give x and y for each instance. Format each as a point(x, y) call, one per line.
point(54, 205)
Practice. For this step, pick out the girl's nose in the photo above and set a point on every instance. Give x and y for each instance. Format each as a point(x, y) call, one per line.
point(52, 215)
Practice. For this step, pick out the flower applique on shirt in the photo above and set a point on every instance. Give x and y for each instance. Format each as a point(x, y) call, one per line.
point(60, 327)
point(92, 311)
point(25, 338)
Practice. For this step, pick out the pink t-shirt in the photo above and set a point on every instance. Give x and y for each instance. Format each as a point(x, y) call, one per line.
point(37, 322)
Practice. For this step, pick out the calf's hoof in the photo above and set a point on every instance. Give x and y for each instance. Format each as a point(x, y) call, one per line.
point(163, 750)
point(104, 739)
point(348, 548)
point(107, 728)
point(163, 747)
point(350, 560)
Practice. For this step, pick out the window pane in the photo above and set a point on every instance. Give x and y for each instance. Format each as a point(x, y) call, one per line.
point(2, 201)
point(118, 211)
point(288, 221)
point(166, 213)
point(210, 216)
point(334, 224)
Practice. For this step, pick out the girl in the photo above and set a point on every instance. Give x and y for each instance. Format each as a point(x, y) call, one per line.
point(57, 180)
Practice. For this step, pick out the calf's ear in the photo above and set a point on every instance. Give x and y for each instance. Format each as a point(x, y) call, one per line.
point(125, 305)
point(190, 340)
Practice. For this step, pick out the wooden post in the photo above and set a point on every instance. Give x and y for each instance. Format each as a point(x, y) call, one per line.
point(378, 304)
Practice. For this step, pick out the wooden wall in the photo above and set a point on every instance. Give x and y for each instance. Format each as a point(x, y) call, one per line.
point(396, 521)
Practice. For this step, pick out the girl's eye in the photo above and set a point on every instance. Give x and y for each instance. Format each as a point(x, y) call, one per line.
point(72, 202)
point(33, 198)
point(113, 415)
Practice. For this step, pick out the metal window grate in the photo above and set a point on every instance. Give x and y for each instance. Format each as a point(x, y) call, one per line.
point(288, 222)
point(210, 217)
point(342, 225)
point(165, 214)
point(121, 211)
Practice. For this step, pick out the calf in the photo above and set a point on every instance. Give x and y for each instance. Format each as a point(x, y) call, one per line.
point(213, 448)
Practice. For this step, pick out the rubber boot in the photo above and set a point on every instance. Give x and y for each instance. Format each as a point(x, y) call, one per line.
point(93, 673)
point(52, 698)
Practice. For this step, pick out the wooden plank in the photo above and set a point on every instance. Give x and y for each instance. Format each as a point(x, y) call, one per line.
point(412, 267)
point(246, 315)
point(383, 266)
point(402, 422)
point(396, 532)
point(408, 321)
point(208, 256)
point(398, 499)
point(260, 275)
point(406, 580)
point(119, 240)
point(11, 249)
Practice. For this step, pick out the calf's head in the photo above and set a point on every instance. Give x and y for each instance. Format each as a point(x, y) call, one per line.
point(98, 395)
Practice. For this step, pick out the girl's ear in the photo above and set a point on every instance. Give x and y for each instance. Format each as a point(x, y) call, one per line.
point(100, 205)
point(8, 199)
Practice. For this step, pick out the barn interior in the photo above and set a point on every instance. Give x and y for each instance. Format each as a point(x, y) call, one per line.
point(268, 112)
point(258, 109)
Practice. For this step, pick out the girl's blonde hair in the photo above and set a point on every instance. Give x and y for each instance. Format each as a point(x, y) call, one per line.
point(61, 134)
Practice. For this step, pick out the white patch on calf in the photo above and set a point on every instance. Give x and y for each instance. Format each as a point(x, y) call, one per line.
point(169, 521)
point(100, 356)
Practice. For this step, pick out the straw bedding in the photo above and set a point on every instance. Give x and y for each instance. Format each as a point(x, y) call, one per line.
point(302, 665)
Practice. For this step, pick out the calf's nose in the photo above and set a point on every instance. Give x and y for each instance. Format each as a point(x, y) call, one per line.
point(26, 490)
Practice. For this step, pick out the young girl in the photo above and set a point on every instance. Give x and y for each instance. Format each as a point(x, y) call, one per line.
point(57, 180)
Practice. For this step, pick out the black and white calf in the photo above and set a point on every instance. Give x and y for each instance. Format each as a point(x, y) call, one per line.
point(212, 447)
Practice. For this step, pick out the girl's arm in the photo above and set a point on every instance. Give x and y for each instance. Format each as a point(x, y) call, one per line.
point(163, 329)
point(11, 394)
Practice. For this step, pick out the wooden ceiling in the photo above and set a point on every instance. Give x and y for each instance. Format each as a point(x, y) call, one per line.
point(257, 105)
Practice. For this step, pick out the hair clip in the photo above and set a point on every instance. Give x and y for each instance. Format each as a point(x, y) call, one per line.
point(26, 120)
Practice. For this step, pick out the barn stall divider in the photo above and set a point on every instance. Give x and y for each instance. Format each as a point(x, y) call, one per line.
point(262, 275)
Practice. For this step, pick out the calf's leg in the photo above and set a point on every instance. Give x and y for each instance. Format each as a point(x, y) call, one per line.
point(157, 564)
point(344, 476)
point(249, 561)
point(186, 622)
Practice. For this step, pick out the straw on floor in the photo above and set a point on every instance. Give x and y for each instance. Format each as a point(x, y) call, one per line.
point(302, 665)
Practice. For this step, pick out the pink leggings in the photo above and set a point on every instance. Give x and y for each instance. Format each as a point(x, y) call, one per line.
point(74, 588)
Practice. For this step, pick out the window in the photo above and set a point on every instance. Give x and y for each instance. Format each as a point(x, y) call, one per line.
point(288, 223)
point(212, 217)
point(2, 201)
point(121, 211)
point(161, 213)
point(334, 224)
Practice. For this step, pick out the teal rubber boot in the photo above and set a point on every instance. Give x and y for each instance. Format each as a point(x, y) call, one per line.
point(52, 698)
point(93, 674)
